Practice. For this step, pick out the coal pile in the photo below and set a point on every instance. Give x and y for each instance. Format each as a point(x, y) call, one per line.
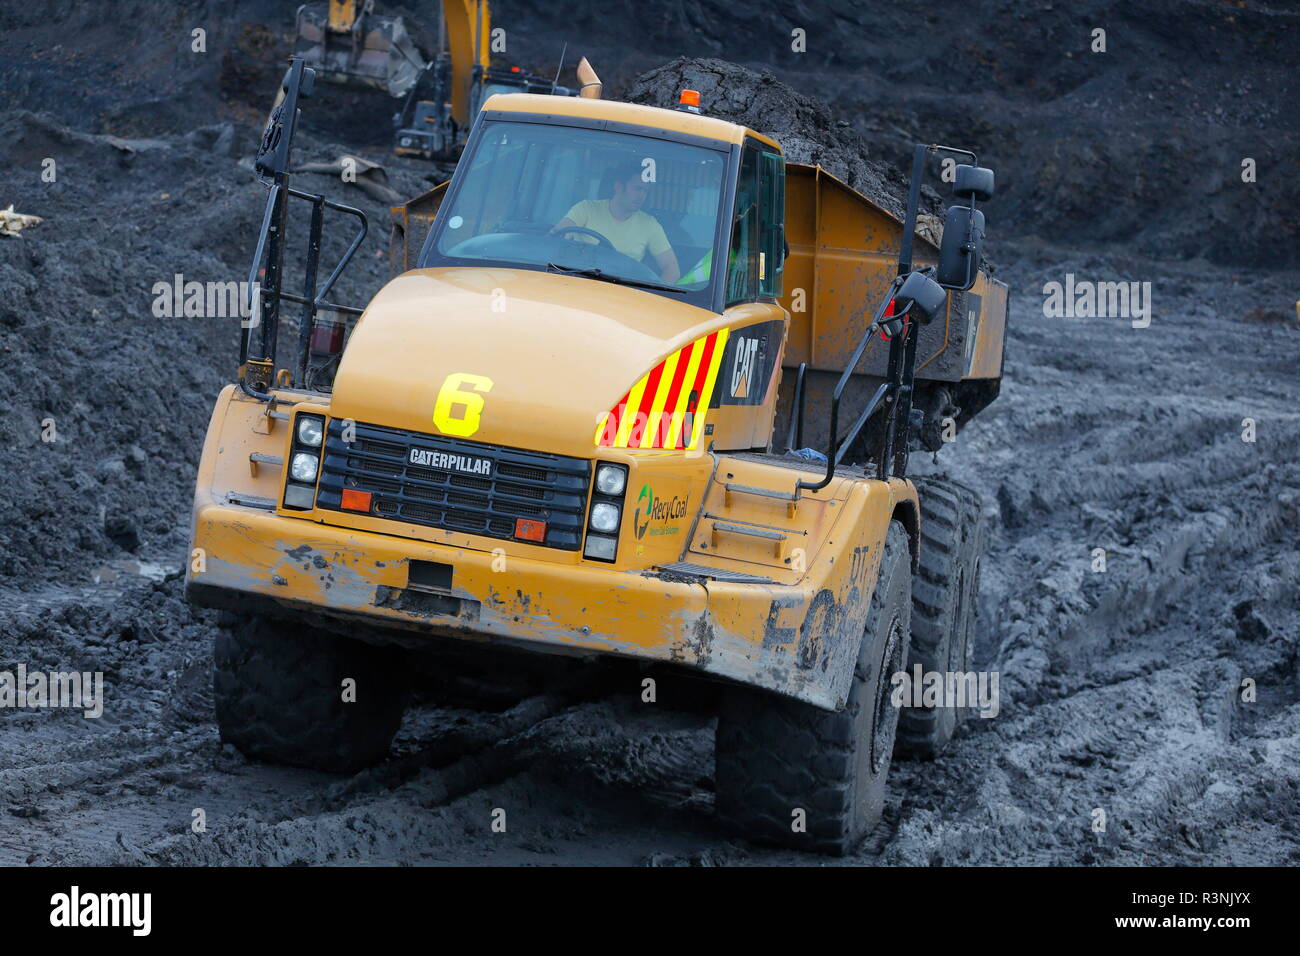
point(807, 129)
point(109, 385)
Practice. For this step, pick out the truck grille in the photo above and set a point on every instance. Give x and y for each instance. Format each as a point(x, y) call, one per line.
point(457, 485)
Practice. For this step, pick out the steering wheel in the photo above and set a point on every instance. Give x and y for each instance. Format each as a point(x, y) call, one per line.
point(588, 232)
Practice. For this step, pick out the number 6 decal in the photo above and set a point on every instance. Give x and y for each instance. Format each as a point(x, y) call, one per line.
point(453, 393)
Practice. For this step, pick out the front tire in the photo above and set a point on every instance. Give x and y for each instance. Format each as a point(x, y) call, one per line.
point(279, 695)
point(777, 756)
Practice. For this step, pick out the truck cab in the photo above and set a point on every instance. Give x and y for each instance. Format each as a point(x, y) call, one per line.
point(697, 191)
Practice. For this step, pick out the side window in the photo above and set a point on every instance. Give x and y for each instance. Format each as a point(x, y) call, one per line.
point(771, 223)
point(757, 256)
point(743, 258)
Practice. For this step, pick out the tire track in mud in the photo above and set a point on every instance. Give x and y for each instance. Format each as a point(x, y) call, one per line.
point(1126, 685)
point(125, 795)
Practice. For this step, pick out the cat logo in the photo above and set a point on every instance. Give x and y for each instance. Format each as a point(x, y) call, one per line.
point(743, 367)
point(748, 365)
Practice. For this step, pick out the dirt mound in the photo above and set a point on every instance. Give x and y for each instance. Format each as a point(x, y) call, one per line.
point(106, 401)
point(807, 128)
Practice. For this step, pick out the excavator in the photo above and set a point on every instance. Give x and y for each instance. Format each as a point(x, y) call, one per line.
point(639, 389)
point(346, 42)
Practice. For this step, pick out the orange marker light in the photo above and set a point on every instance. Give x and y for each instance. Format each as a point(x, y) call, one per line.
point(514, 69)
point(690, 98)
point(356, 500)
point(529, 529)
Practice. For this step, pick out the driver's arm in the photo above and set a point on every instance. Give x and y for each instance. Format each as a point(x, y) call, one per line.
point(669, 271)
point(663, 253)
point(576, 216)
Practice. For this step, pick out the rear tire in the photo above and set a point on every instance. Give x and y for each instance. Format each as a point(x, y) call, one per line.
point(945, 598)
point(776, 755)
point(278, 690)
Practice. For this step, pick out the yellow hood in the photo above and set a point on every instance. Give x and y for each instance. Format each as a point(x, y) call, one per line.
point(559, 351)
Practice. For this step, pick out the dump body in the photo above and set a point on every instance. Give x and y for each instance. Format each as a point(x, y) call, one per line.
point(843, 255)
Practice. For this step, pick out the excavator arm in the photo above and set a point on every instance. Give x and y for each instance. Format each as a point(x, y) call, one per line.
point(469, 26)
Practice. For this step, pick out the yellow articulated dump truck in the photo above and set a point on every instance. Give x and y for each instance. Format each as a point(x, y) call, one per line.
point(640, 389)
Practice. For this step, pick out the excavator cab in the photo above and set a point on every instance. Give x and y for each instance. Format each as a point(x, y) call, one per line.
point(429, 128)
point(436, 117)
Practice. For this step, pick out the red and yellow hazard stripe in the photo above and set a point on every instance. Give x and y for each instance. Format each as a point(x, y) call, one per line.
point(666, 407)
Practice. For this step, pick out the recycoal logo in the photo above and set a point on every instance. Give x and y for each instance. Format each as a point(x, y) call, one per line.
point(659, 510)
point(643, 502)
point(76, 909)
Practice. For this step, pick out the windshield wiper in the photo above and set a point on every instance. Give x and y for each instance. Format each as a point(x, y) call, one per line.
point(604, 276)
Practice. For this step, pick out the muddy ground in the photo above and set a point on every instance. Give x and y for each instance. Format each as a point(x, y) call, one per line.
point(1122, 689)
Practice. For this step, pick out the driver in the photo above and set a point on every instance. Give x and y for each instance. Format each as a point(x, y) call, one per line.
point(620, 220)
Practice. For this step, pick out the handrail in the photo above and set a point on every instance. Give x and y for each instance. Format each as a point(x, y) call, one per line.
point(873, 406)
point(362, 228)
point(794, 435)
point(835, 449)
point(272, 166)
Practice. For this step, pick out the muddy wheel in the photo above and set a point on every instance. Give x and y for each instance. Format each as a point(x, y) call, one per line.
point(777, 756)
point(944, 605)
point(278, 690)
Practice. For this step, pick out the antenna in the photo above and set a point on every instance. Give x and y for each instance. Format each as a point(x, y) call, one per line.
point(556, 82)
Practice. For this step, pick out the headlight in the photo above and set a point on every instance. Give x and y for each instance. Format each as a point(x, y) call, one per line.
point(604, 517)
point(310, 430)
point(611, 480)
point(303, 467)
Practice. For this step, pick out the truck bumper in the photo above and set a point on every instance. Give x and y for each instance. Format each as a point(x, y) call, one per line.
point(245, 557)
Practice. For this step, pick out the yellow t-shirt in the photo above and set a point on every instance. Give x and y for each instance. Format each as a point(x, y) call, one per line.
point(631, 236)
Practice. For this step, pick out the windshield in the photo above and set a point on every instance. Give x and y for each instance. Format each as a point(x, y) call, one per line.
point(611, 206)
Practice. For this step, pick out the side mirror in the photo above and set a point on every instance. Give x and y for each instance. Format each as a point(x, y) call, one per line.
point(921, 296)
point(973, 182)
point(963, 243)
